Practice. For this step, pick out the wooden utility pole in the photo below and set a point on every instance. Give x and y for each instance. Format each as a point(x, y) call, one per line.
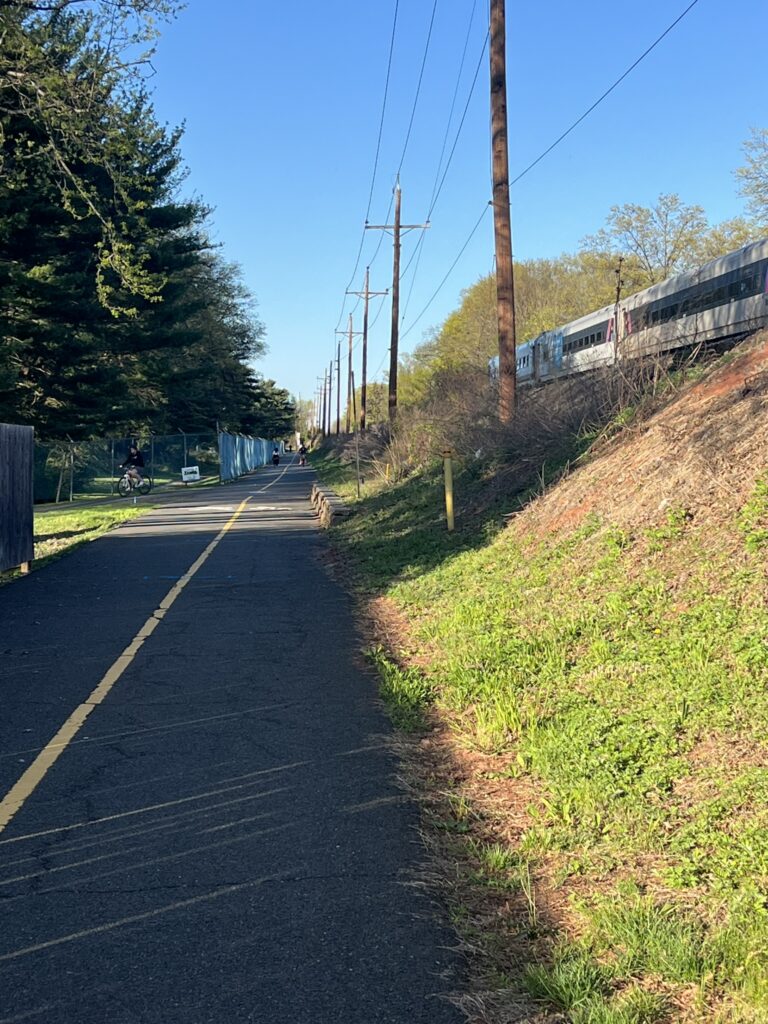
point(617, 310)
point(505, 285)
point(350, 334)
point(338, 388)
point(330, 397)
point(319, 406)
point(365, 294)
point(396, 229)
point(395, 333)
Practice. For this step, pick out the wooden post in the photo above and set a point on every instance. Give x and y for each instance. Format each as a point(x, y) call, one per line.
point(330, 397)
point(364, 373)
point(357, 432)
point(448, 472)
point(349, 374)
point(396, 228)
point(395, 330)
point(505, 287)
point(338, 388)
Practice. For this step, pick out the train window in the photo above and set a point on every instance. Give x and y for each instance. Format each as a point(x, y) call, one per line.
point(591, 339)
point(599, 335)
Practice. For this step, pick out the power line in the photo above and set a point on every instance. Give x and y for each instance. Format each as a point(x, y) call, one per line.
point(418, 87)
point(436, 195)
point(435, 190)
point(383, 109)
point(449, 272)
point(453, 100)
point(418, 251)
point(375, 162)
point(607, 92)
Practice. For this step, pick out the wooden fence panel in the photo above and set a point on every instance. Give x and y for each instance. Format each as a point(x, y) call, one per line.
point(16, 496)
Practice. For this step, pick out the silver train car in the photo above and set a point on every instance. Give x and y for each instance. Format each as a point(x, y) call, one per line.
point(727, 296)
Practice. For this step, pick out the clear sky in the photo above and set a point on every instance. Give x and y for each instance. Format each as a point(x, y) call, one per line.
point(282, 104)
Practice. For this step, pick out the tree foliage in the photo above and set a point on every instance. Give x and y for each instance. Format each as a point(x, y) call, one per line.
point(753, 176)
point(116, 312)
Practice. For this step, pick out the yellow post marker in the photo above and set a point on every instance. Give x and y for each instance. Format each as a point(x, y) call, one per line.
point(387, 472)
point(448, 470)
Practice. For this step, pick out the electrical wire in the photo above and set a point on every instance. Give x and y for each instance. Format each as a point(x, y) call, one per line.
point(436, 190)
point(418, 88)
point(383, 109)
point(557, 141)
point(436, 195)
point(448, 273)
point(607, 93)
point(453, 100)
point(375, 161)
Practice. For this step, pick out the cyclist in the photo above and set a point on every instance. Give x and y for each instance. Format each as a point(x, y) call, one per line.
point(302, 454)
point(134, 462)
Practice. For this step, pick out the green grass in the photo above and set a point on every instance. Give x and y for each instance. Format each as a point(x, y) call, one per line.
point(58, 531)
point(405, 691)
point(600, 663)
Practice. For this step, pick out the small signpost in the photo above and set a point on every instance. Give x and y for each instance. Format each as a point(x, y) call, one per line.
point(448, 470)
point(190, 474)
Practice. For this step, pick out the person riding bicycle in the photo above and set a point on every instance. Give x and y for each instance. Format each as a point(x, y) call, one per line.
point(302, 454)
point(275, 456)
point(134, 462)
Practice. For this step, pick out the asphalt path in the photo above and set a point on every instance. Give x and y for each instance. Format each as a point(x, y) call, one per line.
point(222, 840)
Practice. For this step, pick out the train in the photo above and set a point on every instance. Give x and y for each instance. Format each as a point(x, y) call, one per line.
point(725, 298)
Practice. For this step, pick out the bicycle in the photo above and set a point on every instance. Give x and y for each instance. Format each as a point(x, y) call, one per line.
point(128, 484)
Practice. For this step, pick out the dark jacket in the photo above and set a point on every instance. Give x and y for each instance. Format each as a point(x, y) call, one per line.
point(134, 459)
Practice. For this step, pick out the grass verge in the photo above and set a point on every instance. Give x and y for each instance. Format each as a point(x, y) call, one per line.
point(599, 698)
point(57, 532)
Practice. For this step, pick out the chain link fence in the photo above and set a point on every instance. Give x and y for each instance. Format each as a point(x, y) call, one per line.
point(78, 470)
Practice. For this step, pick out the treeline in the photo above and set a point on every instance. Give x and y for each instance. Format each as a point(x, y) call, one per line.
point(117, 313)
point(653, 243)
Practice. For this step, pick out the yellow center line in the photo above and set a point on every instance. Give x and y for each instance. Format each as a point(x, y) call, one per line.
point(280, 477)
point(33, 776)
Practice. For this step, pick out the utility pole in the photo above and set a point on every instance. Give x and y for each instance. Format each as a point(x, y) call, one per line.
point(349, 373)
point(502, 226)
point(617, 310)
point(350, 334)
point(396, 229)
point(330, 396)
point(325, 395)
point(319, 406)
point(365, 294)
point(338, 388)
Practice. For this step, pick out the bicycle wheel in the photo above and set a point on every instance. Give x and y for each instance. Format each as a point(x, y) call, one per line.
point(123, 486)
point(144, 486)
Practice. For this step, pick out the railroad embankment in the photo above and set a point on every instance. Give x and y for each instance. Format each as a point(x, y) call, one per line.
point(581, 693)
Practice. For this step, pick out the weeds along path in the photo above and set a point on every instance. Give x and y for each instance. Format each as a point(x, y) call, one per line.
point(587, 691)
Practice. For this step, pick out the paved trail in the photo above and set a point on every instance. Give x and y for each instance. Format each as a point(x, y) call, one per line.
point(221, 840)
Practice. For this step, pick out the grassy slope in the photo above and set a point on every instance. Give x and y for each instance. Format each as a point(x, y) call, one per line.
point(614, 671)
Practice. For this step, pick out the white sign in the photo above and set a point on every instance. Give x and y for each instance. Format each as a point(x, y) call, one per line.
point(189, 474)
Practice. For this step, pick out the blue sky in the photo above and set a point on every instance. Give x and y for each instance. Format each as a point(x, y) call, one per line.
point(282, 104)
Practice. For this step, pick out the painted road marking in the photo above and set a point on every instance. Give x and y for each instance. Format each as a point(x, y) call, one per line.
point(33, 776)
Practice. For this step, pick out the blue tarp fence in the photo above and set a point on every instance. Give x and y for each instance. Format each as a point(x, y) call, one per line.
point(239, 454)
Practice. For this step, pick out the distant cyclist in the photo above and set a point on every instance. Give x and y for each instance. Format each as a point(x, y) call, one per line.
point(302, 454)
point(133, 464)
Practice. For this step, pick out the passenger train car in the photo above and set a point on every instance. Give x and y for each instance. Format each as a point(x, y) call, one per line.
point(725, 297)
